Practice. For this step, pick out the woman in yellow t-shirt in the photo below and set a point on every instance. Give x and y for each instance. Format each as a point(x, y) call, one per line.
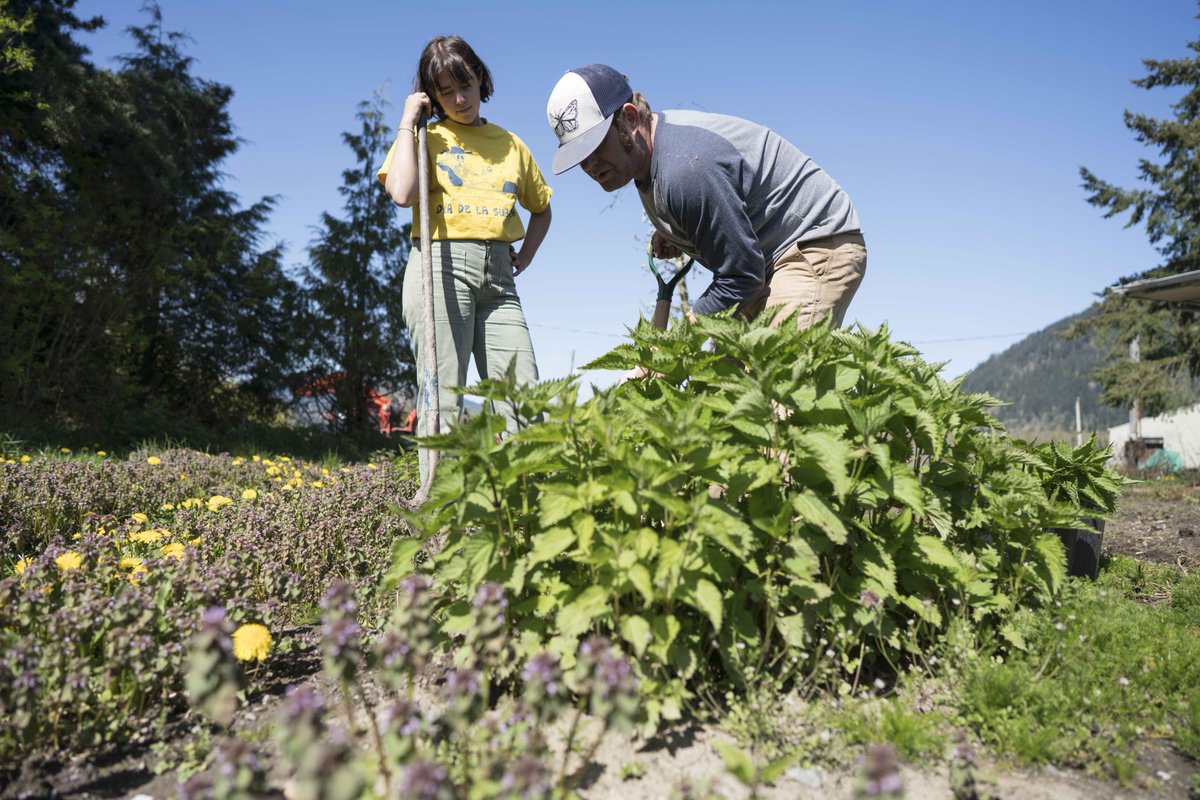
point(478, 173)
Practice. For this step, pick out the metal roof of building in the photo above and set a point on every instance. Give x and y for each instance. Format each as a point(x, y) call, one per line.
point(1183, 289)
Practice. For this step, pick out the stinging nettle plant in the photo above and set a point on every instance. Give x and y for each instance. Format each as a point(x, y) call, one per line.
point(815, 505)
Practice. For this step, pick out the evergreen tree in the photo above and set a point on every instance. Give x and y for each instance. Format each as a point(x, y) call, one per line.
point(358, 339)
point(1169, 337)
point(133, 283)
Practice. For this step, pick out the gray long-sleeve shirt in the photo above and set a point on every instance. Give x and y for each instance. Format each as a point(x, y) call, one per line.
point(735, 195)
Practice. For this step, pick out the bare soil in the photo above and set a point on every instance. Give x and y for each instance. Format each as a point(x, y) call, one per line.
point(1153, 525)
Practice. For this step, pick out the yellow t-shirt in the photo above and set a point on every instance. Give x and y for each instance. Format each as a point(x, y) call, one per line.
point(477, 174)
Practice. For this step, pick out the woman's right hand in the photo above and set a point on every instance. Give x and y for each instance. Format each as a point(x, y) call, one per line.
point(414, 105)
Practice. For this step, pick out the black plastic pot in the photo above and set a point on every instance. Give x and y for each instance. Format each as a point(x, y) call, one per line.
point(1083, 548)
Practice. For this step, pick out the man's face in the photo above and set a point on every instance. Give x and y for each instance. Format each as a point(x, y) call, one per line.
point(610, 164)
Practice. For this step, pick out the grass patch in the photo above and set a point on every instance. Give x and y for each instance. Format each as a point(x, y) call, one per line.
point(1103, 671)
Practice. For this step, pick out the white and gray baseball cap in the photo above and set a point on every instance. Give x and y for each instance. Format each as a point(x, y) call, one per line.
point(581, 110)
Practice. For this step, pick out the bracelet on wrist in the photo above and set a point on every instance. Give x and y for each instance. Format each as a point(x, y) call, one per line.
point(410, 130)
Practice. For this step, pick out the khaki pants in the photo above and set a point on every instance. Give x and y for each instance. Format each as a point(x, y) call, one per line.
point(818, 278)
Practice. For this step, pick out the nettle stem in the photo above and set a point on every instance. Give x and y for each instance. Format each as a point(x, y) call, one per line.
point(587, 759)
point(377, 741)
point(562, 770)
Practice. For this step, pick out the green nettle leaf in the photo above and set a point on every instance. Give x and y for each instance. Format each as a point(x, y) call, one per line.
point(479, 551)
point(636, 631)
point(402, 562)
point(576, 616)
point(1053, 560)
point(557, 502)
point(737, 762)
point(665, 628)
point(938, 554)
point(816, 512)
point(549, 544)
point(640, 578)
point(793, 629)
point(707, 597)
point(831, 452)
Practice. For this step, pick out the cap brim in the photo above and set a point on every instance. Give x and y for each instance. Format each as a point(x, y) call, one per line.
point(571, 153)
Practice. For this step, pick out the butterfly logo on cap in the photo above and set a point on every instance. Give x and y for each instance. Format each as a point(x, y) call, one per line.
point(567, 120)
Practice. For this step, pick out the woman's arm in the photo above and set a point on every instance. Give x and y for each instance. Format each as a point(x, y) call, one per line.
point(535, 232)
point(401, 181)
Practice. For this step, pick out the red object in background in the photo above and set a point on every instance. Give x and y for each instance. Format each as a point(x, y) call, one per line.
point(380, 405)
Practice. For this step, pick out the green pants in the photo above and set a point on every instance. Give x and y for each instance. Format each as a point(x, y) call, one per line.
point(476, 312)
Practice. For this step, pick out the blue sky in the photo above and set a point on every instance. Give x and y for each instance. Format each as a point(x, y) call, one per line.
point(957, 128)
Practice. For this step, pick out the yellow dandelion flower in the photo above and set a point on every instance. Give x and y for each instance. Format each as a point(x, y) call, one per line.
point(372, 466)
point(69, 560)
point(249, 494)
point(129, 562)
point(141, 518)
point(173, 550)
point(77, 535)
point(168, 506)
point(345, 469)
point(154, 461)
point(218, 500)
point(251, 642)
point(324, 470)
point(25, 459)
point(316, 484)
point(285, 459)
point(101, 453)
point(65, 450)
point(147, 537)
point(256, 458)
point(272, 470)
point(195, 542)
point(287, 487)
point(21, 565)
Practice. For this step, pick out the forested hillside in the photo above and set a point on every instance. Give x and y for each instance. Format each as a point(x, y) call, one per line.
point(1041, 376)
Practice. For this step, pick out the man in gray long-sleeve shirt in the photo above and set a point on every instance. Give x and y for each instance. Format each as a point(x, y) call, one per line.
point(772, 226)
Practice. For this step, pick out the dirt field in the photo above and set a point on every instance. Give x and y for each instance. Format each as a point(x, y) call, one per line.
point(1153, 525)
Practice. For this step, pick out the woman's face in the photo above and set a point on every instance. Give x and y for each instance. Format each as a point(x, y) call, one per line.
point(460, 101)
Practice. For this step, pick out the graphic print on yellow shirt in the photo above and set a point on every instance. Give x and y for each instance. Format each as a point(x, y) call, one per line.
point(477, 175)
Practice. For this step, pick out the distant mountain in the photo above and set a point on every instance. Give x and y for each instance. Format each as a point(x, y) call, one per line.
point(1040, 376)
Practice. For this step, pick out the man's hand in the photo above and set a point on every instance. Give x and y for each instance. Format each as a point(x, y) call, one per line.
point(661, 248)
point(639, 373)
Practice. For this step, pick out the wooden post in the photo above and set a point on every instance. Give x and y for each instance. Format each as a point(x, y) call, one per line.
point(1078, 423)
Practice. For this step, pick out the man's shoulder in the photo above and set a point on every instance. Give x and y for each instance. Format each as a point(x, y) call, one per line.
point(685, 119)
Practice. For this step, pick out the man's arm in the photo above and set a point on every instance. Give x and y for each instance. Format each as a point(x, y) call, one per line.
point(708, 204)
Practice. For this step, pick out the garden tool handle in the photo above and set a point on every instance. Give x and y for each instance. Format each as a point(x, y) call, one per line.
point(429, 374)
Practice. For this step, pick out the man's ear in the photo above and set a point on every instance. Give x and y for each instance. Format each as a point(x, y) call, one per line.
point(630, 112)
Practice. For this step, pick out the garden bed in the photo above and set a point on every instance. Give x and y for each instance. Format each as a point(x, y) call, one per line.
point(1153, 525)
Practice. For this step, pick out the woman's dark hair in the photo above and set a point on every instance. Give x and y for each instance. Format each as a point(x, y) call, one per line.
point(452, 55)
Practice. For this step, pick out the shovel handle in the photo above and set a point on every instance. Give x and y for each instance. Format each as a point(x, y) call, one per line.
point(662, 312)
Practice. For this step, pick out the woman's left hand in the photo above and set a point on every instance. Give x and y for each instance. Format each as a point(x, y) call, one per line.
point(518, 261)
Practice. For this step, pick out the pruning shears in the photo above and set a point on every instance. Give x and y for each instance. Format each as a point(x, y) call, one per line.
point(666, 290)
